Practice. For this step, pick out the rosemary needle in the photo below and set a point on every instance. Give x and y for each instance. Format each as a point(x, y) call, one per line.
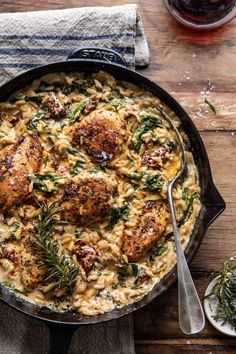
point(225, 292)
point(212, 107)
point(60, 267)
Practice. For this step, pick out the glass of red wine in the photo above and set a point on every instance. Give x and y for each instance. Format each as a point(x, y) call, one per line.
point(202, 14)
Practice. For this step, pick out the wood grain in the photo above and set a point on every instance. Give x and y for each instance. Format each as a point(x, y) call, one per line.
point(182, 62)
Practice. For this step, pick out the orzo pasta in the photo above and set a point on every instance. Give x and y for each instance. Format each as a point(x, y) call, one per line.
point(84, 167)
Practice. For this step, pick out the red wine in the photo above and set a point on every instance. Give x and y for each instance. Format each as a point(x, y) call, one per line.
point(202, 11)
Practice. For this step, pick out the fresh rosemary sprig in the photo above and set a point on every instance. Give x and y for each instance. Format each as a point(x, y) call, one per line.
point(46, 220)
point(225, 292)
point(60, 268)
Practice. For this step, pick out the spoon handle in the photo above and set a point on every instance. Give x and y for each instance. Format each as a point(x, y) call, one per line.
point(191, 315)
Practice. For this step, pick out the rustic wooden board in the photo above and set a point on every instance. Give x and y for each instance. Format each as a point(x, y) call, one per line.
point(182, 61)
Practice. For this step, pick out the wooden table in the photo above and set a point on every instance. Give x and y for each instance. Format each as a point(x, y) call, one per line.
point(182, 62)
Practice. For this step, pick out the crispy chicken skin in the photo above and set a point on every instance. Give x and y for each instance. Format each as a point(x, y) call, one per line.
point(24, 257)
point(90, 197)
point(31, 271)
point(149, 228)
point(16, 163)
point(101, 136)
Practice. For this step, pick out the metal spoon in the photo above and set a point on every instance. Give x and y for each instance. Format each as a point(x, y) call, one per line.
point(191, 315)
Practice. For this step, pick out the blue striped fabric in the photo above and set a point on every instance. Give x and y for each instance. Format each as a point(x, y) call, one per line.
point(30, 39)
point(64, 37)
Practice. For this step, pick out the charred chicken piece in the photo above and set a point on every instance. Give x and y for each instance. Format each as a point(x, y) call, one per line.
point(31, 271)
point(17, 162)
point(89, 197)
point(101, 136)
point(86, 255)
point(149, 228)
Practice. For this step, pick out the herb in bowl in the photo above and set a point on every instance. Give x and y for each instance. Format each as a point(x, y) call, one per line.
point(225, 293)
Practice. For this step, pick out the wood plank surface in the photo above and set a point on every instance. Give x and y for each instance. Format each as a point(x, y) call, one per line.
point(182, 62)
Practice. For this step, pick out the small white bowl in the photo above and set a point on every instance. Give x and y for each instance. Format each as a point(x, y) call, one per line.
point(210, 305)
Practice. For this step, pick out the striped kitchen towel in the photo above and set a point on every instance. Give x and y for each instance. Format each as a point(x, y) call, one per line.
point(30, 39)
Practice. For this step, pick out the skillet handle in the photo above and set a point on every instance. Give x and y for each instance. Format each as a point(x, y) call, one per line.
point(98, 53)
point(59, 338)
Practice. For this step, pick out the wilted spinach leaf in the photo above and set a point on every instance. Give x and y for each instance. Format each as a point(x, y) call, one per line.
point(147, 124)
point(117, 214)
point(154, 182)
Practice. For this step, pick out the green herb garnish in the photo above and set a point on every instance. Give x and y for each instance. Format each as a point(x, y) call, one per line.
point(125, 270)
point(135, 175)
point(75, 114)
point(212, 107)
point(116, 104)
point(117, 214)
point(74, 152)
point(114, 94)
point(16, 227)
point(39, 181)
point(136, 271)
point(95, 169)
point(154, 182)
point(225, 292)
point(33, 122)
point(189, 206)
point(78, 166)
point(79, 232)
point(158, 250)
point(82, 85)
point(169, 144)
point(60, 267)
point(147, 124)
point(123, 273)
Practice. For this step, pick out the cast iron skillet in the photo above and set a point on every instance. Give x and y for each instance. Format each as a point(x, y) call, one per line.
point(62, 325)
